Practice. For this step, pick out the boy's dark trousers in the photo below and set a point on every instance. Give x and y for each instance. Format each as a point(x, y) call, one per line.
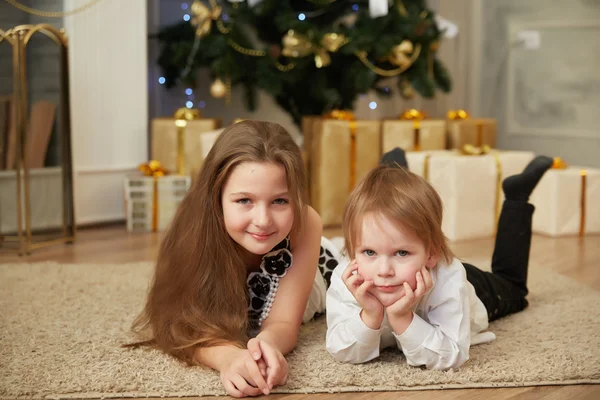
point(503, 290)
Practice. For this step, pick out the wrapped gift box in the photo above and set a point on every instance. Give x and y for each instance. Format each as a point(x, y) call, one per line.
point(164, 142)
point(468, 187)
point(565, 202)
point(151, 203)
point(428, 134)
point(341, 153)
point(207, 139)
point(308, 127)
point(476, 131)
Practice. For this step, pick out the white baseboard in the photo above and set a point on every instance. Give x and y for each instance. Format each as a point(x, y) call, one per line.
point(106, 169)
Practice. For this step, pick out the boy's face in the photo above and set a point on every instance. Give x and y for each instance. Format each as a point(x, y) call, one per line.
point(389, 255)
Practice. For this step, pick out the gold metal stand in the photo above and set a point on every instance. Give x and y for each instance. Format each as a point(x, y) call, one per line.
point(24, 241)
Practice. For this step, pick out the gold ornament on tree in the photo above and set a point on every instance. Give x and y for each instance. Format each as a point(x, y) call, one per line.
point(218, 89)
point(433, 47)
point(406, 90)
point(401, 55)
point(297, 45)
point(202, 17)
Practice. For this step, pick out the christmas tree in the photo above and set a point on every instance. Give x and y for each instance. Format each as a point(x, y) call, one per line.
point(312, 56)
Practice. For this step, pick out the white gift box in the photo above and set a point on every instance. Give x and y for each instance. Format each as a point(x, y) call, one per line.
point(468, 187)
point(139, 201)
point(564, 202)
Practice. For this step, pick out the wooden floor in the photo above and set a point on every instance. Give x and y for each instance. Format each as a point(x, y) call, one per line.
point(576, 258)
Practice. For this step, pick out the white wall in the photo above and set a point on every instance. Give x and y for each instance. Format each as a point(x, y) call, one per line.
point(546, 99)
point(108, 80)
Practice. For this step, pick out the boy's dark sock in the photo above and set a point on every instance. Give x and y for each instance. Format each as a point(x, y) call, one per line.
point(519, 187)
point(393, 157)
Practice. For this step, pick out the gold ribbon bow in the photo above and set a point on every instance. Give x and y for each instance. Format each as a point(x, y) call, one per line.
point(202, 17)
point(297, 45)
point(413, 114)
point(470, 150)
point(559, 163)
point(182, 116)
point(344, 115)
point(416, 116)
point(459, 114)
point(154, 169)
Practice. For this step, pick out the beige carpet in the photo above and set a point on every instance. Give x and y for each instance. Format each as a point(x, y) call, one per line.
point(61, 327)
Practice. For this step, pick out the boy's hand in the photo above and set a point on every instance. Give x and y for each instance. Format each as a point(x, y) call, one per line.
point(400, 313)
point(372, 310)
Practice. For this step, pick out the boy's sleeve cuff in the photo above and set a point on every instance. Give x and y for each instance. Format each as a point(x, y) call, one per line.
point(361, 331)
point(416, 333)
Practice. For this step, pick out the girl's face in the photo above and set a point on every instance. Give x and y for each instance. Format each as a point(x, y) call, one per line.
point(389, 255)
point(256, 206)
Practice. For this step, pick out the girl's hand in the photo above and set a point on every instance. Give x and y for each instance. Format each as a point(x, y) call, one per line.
point(243, 377)
point(372, 310)
point(273, 360)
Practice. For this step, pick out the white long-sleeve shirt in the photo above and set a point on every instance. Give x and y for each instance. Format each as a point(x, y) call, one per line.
point(446, 322)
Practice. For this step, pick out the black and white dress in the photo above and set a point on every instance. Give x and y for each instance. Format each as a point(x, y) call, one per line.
point(263, 284)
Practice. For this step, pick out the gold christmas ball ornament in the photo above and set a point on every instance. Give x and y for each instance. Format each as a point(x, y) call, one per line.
point(400, 55)
point(406, 90)
point(218, 89)
point(405, 46)
point(434, 46)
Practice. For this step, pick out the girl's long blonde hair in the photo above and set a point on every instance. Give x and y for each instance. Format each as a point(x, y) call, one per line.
point(198, 296)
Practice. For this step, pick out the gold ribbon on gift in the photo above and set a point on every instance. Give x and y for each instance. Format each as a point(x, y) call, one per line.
point(559, 163)
point(154, 169)
point(297, 45)
point(459, 115)
point(342, 115)
point(416, 116)
point(182, 116)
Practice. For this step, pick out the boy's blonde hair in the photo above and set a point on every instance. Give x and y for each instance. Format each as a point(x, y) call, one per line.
point(402, 196)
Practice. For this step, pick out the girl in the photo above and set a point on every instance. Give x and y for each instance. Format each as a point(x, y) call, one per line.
point(405, 288)
point(236, 271)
